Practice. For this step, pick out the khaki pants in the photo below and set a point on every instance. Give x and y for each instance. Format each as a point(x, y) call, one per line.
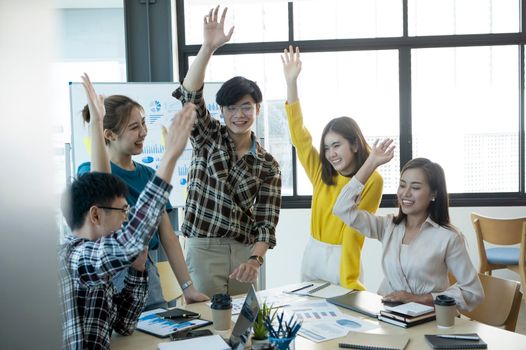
point(211, 260)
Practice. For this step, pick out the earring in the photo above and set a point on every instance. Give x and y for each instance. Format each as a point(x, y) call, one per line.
point(433, 199)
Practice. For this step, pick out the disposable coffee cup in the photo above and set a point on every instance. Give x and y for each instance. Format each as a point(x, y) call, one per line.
point(446, 310)
point(221, 311)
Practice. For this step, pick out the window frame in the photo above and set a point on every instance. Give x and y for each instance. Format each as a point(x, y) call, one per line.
point(404, 45)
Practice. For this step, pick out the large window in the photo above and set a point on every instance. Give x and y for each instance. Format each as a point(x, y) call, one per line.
point(444, 78)
point(91, 40)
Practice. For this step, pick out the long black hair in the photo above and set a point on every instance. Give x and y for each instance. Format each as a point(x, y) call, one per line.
point(438, 209)
point(349, 130)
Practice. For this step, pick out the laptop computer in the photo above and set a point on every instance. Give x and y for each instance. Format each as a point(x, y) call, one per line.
point(364, 302)
point(246, 318)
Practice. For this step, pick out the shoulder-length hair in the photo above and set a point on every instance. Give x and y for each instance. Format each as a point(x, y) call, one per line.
point(438, 209)
point(118, 112)
point(349, 130)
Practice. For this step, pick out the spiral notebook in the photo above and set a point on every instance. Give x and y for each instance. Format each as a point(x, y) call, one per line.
point(369, 341)
point(446, 343)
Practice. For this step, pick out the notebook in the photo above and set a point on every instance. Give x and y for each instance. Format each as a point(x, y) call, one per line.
point(368, 341)
point(445, 343)
point(404, 324)
point(364, 302)
point(408, 319)
point(411, 309)
point(320, 289)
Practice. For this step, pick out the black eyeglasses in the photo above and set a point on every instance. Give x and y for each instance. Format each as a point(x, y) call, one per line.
point(124, 210)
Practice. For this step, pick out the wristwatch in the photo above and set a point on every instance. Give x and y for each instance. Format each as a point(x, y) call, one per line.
point(258, 258)
point(186, 284)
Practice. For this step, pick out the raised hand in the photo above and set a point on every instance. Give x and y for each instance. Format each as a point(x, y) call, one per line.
point(291, 64)
point(177, 135)
point(95, 102)
point(214, 29)
point(382, 152)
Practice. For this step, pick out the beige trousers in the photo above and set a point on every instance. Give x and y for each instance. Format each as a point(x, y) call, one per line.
point(211, 260)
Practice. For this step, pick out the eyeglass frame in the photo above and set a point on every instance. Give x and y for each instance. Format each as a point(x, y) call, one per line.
point(125, 211)
point(246, 108)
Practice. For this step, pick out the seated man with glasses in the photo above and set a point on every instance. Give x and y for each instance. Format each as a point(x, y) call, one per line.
point(100, 246)
point(234, 185)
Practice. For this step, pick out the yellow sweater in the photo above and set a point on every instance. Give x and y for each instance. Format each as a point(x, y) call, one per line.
point(325, 226)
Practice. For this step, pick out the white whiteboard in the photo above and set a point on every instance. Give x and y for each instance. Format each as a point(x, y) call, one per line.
point(159, 107)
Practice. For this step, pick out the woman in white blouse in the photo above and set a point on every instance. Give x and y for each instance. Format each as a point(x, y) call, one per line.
point(420, 246)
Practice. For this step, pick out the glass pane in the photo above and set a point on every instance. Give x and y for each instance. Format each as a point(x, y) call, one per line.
point(255, 21)
point(271, 127)
point(443, 17)
point(90, 40)
point(366, 81)
point(347, 19)
point(465, 115)
point(362, 85)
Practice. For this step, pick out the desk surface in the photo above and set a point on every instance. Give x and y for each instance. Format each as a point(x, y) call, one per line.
point(496, 338)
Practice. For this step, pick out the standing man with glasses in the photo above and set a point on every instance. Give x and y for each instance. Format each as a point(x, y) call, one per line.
point(234, 185)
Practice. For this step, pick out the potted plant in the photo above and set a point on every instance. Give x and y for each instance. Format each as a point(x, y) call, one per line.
point(259, 329)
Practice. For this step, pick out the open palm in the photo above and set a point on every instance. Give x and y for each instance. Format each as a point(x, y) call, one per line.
point(95, 102)
point(291, 63)
point(382, 152)
point(214, 29)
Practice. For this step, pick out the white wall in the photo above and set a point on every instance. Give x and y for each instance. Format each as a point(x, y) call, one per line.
point(283, 262)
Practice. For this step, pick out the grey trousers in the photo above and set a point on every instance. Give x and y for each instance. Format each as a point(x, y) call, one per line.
point(211, 260)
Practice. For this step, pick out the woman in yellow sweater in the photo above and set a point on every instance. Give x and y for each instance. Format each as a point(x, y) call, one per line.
point(333, 251)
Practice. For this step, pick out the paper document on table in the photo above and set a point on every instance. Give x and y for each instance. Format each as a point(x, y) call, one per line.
point(314, 310)
point(336, 328)
point(274, 297)
point(318, 289)
point(210, 342)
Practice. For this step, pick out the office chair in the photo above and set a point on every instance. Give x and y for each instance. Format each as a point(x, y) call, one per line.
point(169, 285)
point(501, 304)
point(504, 232)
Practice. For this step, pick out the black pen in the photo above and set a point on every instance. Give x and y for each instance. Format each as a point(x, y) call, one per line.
point(301, 288)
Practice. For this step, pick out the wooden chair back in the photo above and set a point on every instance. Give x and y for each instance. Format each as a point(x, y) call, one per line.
point(169, 284)
point(501, 303)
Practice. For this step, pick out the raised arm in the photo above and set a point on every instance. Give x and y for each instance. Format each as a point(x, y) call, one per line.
point(175, 139)
point(214, 38)
point(291, 70)
point(100, 160)
point(381, 153)
point(346, 205)
point(95, 260)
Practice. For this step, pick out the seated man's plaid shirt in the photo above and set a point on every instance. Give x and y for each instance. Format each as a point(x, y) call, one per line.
point(91, 306)
point(229, 197)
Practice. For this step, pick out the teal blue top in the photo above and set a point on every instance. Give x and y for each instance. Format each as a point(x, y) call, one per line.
point(136, 181)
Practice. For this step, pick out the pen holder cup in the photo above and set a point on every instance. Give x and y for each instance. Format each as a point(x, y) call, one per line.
point(282, 343)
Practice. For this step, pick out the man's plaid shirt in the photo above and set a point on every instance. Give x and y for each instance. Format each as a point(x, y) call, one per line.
point(91, 306)
point(228, 197)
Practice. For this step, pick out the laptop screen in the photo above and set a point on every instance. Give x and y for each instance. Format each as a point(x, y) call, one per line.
point(246, 318)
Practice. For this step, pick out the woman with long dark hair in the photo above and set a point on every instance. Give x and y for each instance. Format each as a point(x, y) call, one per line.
point(420, 246)
point(333, 251)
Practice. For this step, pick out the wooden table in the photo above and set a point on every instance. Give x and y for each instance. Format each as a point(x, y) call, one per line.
point(495, 337)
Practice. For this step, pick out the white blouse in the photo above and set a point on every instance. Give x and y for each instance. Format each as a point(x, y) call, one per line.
point(427, 259)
